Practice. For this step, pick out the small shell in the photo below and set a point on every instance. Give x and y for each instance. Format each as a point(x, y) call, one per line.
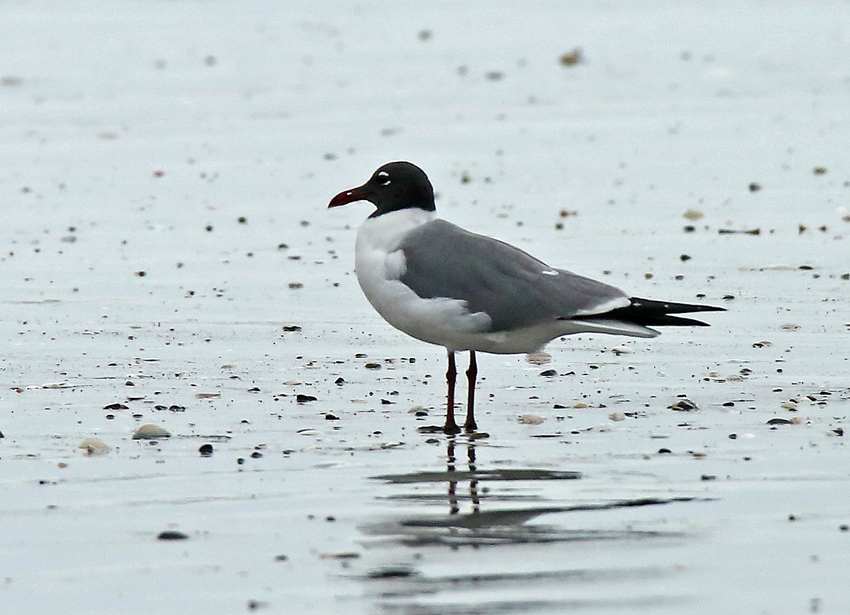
point(538, 358)
point(530, 419)
point(310, 432)
point(618, 350)
point(150, 432)
point(617, 416)
point(684, 405)
point(94, 446)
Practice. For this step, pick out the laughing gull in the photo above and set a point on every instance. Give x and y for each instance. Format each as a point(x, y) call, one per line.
point(447, 286)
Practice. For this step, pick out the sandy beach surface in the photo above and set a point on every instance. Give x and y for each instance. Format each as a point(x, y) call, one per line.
point(167, 259)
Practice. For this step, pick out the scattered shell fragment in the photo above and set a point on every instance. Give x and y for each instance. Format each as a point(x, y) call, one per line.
point(617, 416)
point(94, 447)
point(789, 405)
point(731, 231)
point(150, 432)
point(530, 419)
point(310, 432)
point(693, 214)
point(790, 327)
point(540, 357)
point(339, 555)
point(619, 350)
point(684, 405)
point(571, 58)
point(207, 395)
point(762, 344)
point(779, 421)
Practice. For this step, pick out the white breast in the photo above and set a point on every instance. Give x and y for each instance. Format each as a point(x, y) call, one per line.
point(379, 263)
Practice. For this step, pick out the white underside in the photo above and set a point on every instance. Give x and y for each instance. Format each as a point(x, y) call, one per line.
point(446, 322)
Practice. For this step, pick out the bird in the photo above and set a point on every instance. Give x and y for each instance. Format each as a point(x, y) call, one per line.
point(448, 286)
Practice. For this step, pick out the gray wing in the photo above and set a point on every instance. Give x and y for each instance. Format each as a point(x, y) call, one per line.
point(512, 287)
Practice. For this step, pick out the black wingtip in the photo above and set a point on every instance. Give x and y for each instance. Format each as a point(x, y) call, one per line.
point(648, 312)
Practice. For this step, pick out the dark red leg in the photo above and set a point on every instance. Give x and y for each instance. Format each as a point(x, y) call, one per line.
point(451, 427)
point(471, 376)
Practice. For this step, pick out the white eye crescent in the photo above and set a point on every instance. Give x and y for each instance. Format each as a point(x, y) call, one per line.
point(383, 178)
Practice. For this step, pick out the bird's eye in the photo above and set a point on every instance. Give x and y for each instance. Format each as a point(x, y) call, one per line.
point(383, 178)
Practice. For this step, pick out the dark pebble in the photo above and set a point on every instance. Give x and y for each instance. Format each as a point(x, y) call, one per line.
point(303, 399)
point(172, 535)
point(331, 417)
point(339, 381)
point(280, 558)
point(684, 257)
point(391, 573)
point(116, 406)
point(706, 477)
point(778, 421)
point(206, 450)
point(240, 461)
point(733, 436)
point(664, 451)
point(549, 373)
point(291, 328)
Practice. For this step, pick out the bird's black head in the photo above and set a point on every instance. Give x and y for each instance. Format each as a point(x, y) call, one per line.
point(394, 186)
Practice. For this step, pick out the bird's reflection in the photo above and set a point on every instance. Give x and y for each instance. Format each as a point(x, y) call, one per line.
point(498, 525)
point(451, 468)
point(497, 509)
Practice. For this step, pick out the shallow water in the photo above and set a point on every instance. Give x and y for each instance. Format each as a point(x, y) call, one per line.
point(167, 249)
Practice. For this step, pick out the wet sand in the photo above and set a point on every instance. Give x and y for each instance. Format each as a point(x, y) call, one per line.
point(167, 259)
